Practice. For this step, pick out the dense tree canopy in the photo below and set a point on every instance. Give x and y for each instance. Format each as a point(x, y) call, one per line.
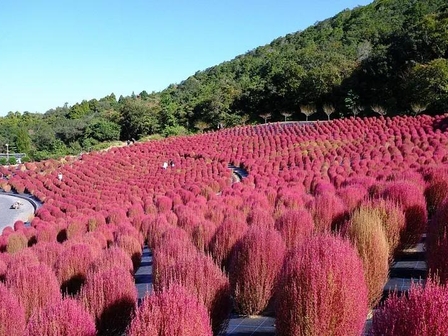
point(390, 54)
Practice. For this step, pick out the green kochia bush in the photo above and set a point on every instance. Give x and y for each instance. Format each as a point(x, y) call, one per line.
point(321, 290)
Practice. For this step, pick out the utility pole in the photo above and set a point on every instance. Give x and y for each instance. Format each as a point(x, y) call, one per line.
point(7, 152)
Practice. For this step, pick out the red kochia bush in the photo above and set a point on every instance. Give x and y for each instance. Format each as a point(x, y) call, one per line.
point(321, 290)
point(413, 203)
point(173, 312)
point(132, 247)
point(48, 253)
point(110, 297)
point(35, 286)
point(112, 257)
point(252, 282)
point(295, 226)
point(423, 311)
point(201, 277)
point(12, 315)
point(437, 243)
point(328, 212)
point(225, 238)
point(72, 265)
point(64, 318)
point(261, 218)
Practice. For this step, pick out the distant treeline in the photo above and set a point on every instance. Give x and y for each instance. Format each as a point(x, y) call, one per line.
point(388, 58)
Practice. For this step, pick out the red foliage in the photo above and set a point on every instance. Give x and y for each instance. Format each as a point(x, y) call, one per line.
point(33, 294)
point(295, 226)
point(423, 311)
point(66, 317)
point(321, 290)
point(12, 314)
point(252, 282)
point(110, 297)
point(224, 239)
point(172, 312)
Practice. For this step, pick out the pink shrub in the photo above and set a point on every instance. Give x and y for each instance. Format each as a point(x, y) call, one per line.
point(163, 203)
point(352, 195)
point(252, 282)
point(155, 229)
point(63, 318)
point(23, 257)
point(321, 290)
point(3, 268)
point(170, 253)
point(224, 239)
point(46, 233)
point(423, 311)
point(110, 298)
point(295, 226)
point(75, 228)
point(202, 278)
point(113, 257)
point(71, 267)
point(437, 243)
point(202, 234)
point(261, 218)
point(412, 201)
point(328, 211)
point(172, 312)
point(48, 253)
point(35, 286)
point(12, 315)
point(132, 247)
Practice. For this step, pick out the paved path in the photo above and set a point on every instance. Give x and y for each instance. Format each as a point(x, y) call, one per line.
point(9, 216)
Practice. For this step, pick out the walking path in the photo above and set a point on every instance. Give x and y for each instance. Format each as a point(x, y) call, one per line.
point(9, 216)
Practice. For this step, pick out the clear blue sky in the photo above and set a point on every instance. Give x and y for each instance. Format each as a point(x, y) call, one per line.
point(57, 51)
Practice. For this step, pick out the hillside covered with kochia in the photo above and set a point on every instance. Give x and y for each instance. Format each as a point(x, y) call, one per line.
point(389, 57)
point(325, 205)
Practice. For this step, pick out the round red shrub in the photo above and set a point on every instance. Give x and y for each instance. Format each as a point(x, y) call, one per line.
point(423, 311)
point(321, 290)
point(12, 314)
point(172, 312)
point(110, 297)
point(252, 282)
point(202, 278)
point(34, 285)
point(66, 317)
point(295, 226)
point(224, 239)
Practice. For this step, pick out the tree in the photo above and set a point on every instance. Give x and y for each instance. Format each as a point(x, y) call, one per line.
point(265, 117)
point(139, 118)
point(23, 141)
point(103, 130)
point(286, 115)
point(201, 126)
point(329, 110)
point(357, 109)
point(418, 108)
point(379, 109)
point(308, 110)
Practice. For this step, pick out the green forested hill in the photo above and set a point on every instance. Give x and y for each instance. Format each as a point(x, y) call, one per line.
point(389, 57)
